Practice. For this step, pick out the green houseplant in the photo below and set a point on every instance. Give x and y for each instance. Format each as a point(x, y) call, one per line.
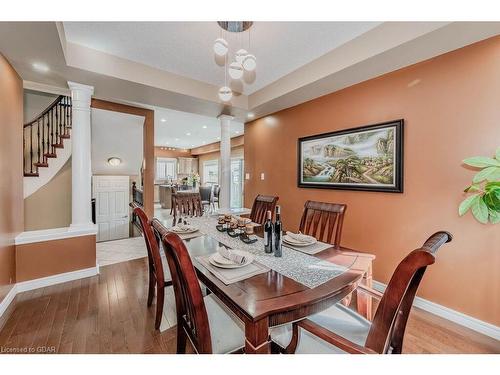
point(485, 199)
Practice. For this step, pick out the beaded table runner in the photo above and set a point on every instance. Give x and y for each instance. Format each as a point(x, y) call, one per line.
point(303, 268)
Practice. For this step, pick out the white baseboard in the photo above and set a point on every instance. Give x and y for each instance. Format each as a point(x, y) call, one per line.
point(8, 300)
point(477, 325)
point(24, 286)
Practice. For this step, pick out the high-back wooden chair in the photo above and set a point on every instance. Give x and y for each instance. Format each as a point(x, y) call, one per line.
point(159, 276)
point(323, 221)
point(340, 330)
point(187, 204)
point(261, 205)
point(209, 327)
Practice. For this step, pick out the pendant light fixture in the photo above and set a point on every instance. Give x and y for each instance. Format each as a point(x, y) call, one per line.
point(243, 60)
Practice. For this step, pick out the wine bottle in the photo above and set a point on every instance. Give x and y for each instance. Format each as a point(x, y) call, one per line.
point(268, 234)
point(277, 233)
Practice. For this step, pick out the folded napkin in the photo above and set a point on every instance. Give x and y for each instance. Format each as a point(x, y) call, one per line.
point(300, 237)
point(228, 254)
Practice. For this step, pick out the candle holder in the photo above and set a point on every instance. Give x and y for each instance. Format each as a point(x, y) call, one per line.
point(221, 224)
point(246, 236)
point(233, 230)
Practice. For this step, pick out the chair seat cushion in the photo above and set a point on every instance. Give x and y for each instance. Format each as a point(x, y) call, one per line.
point(338, 319)
point(226, 329)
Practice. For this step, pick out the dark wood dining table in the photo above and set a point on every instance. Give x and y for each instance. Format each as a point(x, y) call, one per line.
point(271, 299)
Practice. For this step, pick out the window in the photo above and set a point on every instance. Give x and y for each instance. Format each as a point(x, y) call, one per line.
point(211, 172)
point(166, 169)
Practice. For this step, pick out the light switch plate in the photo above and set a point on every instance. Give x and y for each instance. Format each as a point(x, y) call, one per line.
point(247, 176)
point(262, 176)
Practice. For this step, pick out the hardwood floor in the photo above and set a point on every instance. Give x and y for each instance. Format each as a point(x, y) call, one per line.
point(108, 314)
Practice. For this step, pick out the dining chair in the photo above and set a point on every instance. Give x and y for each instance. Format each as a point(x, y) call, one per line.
point(209, 325)
point(261, 205)
point(206, 196)
point(173, 191)
point(323, 221)
point(216, 196)
point(339, 329)
point(187, 204)
point(159, 274)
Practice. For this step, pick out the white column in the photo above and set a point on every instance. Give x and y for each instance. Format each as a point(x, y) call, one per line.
point(225, 160)
point(81, 174)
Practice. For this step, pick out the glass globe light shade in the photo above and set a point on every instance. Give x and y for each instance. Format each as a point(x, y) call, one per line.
point(235, 70)
point(249, 63)
point(220, 47)
point(240, 55)
point(225, 94)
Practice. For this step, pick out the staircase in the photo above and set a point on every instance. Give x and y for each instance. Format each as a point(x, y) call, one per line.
point(42, 138)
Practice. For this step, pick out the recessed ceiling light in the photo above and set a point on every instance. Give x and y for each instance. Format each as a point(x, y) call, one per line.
point(40, 67)
point(188, 133)
point(114, 161)
point(203, 142)
point(176, 139)
point(237, 132)
point(204, 126)
point(192, 145)
point(218, 137)
point(250, 115)
point(163, 120)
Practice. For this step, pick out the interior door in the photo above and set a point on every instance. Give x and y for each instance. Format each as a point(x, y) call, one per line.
point(236, 183)
point(112, 210)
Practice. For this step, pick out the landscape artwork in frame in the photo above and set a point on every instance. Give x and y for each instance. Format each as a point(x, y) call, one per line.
point(365, 158)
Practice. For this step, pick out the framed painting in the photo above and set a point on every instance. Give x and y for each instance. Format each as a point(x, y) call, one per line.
point(367, 158)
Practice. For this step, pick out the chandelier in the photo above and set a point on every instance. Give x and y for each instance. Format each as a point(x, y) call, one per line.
point(243, 61)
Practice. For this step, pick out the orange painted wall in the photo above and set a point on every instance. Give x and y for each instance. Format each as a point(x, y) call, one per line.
point(11, 168)
point(451, 108)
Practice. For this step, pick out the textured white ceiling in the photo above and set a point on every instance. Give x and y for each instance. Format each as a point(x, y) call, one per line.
point(185, 48)
point(116, 135)
point(173, 131)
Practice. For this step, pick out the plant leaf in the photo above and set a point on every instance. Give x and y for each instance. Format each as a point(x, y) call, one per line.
point(480, 211)
point(484, 174)
point(472, 189)
point(481, 162)
point(497, 156)
point(492, 186)
point(492, 200)
point(494, 217)
point(495, 176)
point(467, 203)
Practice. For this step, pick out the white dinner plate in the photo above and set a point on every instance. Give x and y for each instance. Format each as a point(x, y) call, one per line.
point(178, 230)
point(218, 260)
point(289, 240)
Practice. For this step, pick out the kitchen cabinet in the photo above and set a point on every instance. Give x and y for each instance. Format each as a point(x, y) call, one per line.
point(187, 165)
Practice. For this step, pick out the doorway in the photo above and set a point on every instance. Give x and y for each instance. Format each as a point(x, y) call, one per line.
point(237, 183)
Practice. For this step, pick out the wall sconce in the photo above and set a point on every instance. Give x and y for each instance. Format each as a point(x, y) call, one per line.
point(114, 161)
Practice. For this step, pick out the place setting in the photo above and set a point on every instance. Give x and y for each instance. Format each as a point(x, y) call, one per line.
point(185, 230)
point(231, 265)
point(304, 243)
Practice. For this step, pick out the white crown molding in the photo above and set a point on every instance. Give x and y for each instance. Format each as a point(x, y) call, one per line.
point(459, 318)
point(41, 87)
point(25, 286)
point(54, 234)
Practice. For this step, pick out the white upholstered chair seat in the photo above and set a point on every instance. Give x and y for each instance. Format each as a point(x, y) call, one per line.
point(338, 319)
point(226, 330)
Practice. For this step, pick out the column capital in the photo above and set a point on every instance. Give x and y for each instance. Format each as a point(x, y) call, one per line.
point(225, 117)
point(74, 86)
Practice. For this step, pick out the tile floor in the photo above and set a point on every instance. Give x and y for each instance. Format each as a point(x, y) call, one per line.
point(111, 252)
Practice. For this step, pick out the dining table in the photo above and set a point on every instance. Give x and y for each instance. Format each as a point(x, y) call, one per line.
point(287, 289)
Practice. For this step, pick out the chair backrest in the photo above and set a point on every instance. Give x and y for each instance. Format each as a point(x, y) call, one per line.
point(205, 193)
point(152, 246)
point(187, 204)
point(261, 205)
point(190, 306)
point(323, 221)
point(389, 323)
point(216, 191)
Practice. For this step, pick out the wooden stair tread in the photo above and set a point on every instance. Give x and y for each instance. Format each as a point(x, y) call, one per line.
point(65, 136)
point(29, 174)
point(41, 165)
point(50, 155)
point(58, 145)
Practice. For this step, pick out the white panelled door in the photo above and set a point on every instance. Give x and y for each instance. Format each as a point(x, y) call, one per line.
point(112, 210)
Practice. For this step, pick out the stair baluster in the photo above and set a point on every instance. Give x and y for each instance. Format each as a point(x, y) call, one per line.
point(51, 127)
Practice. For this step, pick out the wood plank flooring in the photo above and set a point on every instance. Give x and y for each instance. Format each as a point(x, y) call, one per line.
point(108, 314)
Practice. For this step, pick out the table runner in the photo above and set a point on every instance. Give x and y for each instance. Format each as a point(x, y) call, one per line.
point(303, 268)
point(316, 248)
